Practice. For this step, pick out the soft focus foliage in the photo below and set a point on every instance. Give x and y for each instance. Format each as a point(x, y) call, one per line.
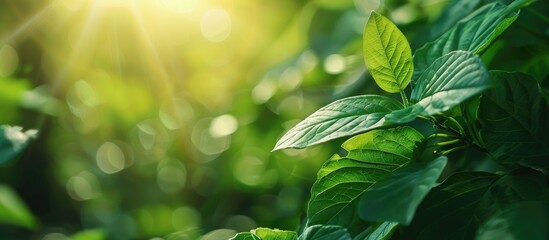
point(157, 118)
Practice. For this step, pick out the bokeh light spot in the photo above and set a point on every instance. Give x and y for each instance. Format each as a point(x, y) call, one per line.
point(290, 79)
point(223, 125)
point(110, 158)
point(263, 91)
point(215, 25)
point(185, 218)
point(334, 64)
point(171, 176)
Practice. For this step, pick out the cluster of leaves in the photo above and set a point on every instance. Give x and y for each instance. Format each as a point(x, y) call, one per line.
point(385, 186)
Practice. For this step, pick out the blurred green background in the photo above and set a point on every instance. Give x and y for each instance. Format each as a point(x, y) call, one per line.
point(157, 117)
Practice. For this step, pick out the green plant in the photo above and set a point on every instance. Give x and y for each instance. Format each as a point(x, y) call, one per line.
point(385, 185)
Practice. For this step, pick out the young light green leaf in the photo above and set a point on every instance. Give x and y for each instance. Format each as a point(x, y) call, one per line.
point(13, 211)
point(274, 234)
point(474, 34)
point(266, 234)
point(13, 140)
point(96, 234)
point(526, 220)
point(245, 236)
point(341, 118)
point(396, 197)
point(514, 119)
point(387, 54)
point(325, 232)
point(448, 81)
point(341, 181)
point(456, 208)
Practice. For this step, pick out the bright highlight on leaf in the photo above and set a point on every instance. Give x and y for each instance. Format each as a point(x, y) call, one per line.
point(387, 54)
point(266, 234)
point(13, 140)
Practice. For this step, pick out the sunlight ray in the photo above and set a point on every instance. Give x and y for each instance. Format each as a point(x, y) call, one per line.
point(159, 67)
point(85, 37)
point(27, 24)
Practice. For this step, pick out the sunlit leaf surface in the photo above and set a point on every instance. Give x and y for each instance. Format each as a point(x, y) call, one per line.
point(325, 232)
point(387, 54)
point(341, 118)
point(341, 181)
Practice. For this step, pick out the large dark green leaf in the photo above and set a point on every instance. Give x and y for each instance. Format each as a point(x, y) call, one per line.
point(473, 34)
point(387, 54)
point(514, 118)
point(325, 232)
point(13, 211)
point(341, 118)
point(456, 208)
point(396, 197)
point(449, 81)
point(526, 220)
point(341, 181)
point(13, 141)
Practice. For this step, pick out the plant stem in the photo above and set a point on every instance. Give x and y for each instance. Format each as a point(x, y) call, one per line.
point(404, 98)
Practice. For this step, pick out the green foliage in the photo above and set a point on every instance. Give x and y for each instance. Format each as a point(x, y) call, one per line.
point(514, 119)
point(403, 190)
point(13, 211)
point(473, 34)
point(341, 118)
point(387, 54)
point(341, 181)
point(266, 234)
point(325, 232)
point(389, 184)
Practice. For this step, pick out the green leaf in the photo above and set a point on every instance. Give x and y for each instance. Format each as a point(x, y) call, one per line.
point(270, 234)
point(325, 232)
point(341, 181)
point(387, 54)
point(526, 220)
point(341, 118)
point(456, 208)
point(474, 34)
point(514, 119)
point(245, 236)
point(13, 211)
point(449, 81)
point(396, 197)
point(266, 234)
point(13, 141)
point(96, 234)
point(383, 231)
